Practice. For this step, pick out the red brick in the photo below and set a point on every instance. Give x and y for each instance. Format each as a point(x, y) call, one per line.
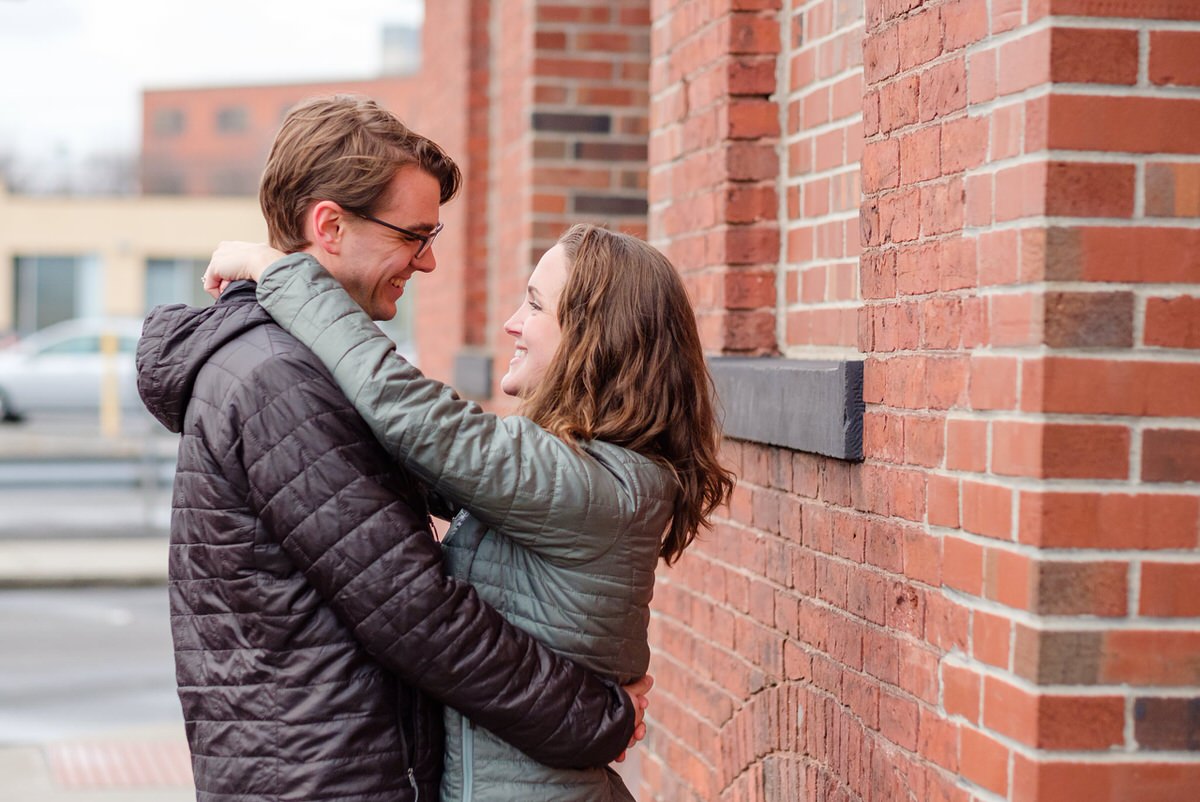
point(1172, 190)
point(1089, 319)
point(1173, 58)
point(1080, 722)
point(1083, 189)
point(965, 23)
point(1173, 322)
point(1024, 62)
point(898, 718)
point(1098, 386)
point(1146, 9)
point(1080, 588)
point(999, 258)
point(920, 38)
point(923, 556)
point(1126, 124)
point(1010, 711)
point(1007, 126)
point(947, 623)
point(906, 610)
point(964, 144)
point(1171, 455)
point(961, 688)
point(1109, 520)
point(942, 501)
point(1021, 191)
point(987, 509)
point(1150, 657)
point(1051, 450)
point(1155, 255)
point(753, 34)
point(1168, 590)
point(1091, 55)
point(993, 382)
point(982, 77)
point(990, 637)
point(943, 89)
point(881, 54)
point(984, 761)
point(1008, 578)
point(924, 442)
point(1129, 781)
point(962, 567)
point(1016, 320)
point(899, 103)
point(938, 742)
point(1167, 723)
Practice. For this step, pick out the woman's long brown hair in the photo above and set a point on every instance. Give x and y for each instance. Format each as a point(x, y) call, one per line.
point(630, 370)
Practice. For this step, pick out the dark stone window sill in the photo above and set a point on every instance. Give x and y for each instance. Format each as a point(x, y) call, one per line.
point(804, 405)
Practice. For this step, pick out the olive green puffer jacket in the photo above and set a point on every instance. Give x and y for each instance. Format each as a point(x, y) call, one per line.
point(562, 542)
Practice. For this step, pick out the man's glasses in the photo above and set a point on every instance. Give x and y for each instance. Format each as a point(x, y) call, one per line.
point(426, 240)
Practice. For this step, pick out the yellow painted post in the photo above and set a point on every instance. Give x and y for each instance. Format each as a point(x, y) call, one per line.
point(110, 401)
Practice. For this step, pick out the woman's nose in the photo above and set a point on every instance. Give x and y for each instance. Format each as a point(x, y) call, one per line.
point(512, 326)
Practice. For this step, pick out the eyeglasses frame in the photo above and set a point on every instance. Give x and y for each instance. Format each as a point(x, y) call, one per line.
point(426, 240)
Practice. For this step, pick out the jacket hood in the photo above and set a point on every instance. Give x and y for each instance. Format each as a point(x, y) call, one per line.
point(177, 340)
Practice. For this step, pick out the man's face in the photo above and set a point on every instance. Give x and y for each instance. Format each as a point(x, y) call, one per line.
point(375, 262)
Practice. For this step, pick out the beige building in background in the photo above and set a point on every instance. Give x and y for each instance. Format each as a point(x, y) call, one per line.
point(66, 257)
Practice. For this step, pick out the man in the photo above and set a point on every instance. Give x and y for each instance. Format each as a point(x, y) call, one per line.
point(313, 626)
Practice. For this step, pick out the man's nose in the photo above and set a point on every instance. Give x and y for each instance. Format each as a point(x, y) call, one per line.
point(426, 262)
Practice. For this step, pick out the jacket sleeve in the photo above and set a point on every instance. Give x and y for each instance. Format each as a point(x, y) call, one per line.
point(323, 487)
point(508, 472)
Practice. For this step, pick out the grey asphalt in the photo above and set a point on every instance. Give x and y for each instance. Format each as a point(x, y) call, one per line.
point(122, 740)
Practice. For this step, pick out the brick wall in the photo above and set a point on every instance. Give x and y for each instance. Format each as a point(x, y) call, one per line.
point(445, 309)
point(199, 158)
point(988, 606)
point(996, 206)
point(567, 138)
point(714, 165)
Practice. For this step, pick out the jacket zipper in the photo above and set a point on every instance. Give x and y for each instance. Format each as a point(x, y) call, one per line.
point(412, 780)
point(468, 758)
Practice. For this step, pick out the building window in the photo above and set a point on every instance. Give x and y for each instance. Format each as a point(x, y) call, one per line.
point(169, 122)
point(235, 181)
point(232, 120)
point(51, 289)
point(159, 181)
point(175, 281)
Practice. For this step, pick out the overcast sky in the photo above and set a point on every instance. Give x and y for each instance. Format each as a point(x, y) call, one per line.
point(73, 70)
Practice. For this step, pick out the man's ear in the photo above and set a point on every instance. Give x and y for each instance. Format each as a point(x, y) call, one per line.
point(327, 223)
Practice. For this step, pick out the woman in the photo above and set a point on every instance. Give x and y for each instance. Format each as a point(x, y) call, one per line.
point(563, 511)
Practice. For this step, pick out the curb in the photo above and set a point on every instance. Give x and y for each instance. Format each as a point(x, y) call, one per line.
point(126, 562)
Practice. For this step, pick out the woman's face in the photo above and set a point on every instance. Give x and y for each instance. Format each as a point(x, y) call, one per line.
point(535, 325)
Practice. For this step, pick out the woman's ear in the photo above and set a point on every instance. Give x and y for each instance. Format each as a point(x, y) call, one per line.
point(327, 221)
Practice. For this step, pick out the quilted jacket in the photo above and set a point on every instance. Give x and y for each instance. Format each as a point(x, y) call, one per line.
point(563, 543)
point(315, 632)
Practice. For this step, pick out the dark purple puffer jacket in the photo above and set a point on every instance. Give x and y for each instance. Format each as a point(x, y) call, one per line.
point(315, 633)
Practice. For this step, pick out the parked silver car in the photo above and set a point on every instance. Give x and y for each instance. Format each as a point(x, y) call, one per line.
point(67, 367)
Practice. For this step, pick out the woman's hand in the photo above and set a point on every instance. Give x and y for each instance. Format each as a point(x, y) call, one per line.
point(232, 261)
point(638, 691)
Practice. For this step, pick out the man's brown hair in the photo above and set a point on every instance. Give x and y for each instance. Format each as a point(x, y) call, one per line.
point(630, 370)
point(346, 149)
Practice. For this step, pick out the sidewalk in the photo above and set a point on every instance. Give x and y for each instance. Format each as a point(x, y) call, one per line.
point(78, 549)
point(149, 764)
